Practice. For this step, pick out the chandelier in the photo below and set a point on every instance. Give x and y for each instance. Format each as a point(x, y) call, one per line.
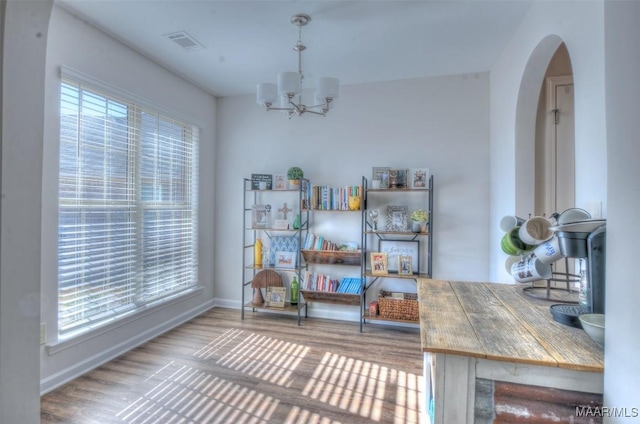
point(287, 94)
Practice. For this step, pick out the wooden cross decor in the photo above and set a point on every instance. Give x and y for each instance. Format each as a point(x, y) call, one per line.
point(285, 210)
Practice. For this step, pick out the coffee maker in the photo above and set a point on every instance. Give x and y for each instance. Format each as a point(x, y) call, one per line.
point(589, 246)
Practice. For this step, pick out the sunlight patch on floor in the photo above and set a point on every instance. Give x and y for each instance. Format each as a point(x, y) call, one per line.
point(192, 395)
point(218, 344)
point(264, 357)
point(409, 399)
point(349, 384)
point(303, 416)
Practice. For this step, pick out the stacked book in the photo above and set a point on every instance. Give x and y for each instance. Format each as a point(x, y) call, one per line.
point(350, 285)
point(329, 198)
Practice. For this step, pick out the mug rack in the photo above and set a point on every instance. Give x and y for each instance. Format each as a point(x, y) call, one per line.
point(561, 287)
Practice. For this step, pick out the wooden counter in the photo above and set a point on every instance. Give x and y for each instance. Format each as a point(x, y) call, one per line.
point(482, 335)
point(497, 321)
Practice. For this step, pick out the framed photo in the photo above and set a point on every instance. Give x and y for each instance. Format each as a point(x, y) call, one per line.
point(405, 265)
point(275, 297)
point(381, 173)
point(397, 178)
point(379, 263)
point(394, 249)
point(397, 218)
point(285, 259)
point(261, 181)
point(279, 181)
point(418, 178)
point(260, 216)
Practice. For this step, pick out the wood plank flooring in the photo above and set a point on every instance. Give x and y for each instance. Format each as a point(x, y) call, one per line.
point(218, 368)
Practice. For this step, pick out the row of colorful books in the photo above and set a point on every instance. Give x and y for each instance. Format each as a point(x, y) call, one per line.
point(329, 198)
point(318, 242)
point(322, 282)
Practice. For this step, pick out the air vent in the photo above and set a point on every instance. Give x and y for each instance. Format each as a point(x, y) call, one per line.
point(184, 40)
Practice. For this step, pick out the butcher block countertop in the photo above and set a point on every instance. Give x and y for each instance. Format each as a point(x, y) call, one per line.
point(498, 322)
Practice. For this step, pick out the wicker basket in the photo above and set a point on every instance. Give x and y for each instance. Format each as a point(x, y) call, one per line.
point(405, 309)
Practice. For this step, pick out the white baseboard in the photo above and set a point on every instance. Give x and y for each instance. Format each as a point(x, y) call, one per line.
point(56, 380)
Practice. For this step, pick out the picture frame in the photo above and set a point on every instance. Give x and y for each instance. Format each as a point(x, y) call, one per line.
point(381, 173)
point(285, 259)
point(397, 218)
point(396, 248)
point(279, 181)
point(405, 266)
point(261, 181)
point(379, 264)
point(418, 178)
point(275, 297)
point(260, 216)
point(397, 179)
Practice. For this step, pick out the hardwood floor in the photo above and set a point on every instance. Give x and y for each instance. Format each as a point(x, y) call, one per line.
point(219, 369)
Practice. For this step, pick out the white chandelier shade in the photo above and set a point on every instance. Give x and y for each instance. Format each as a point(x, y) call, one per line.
point(283, 95)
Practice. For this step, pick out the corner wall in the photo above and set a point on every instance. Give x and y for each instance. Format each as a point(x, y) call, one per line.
point(622, 339)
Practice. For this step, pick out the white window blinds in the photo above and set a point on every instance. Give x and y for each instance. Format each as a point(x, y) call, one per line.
point(127, 222)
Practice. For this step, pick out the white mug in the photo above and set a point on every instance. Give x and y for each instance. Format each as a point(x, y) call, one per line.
point(509, 221)
point(509, 262)
point(535, 230)
point(375, 184)
point(530, 269)
point(549, 251)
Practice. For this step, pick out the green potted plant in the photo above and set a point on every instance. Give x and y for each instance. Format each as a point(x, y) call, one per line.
point(294, 174)
point(419, 220)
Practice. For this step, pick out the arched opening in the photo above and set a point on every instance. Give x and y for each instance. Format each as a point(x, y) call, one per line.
point(526, 123)
point(555, 138)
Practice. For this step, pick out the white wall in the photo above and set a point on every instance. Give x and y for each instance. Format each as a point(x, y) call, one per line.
point(622, 64)
point(81, 47)
point(441, 123)
point(23, 36)
point(515, 86)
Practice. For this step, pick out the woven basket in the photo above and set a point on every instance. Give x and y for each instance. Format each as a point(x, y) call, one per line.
point(405, 309)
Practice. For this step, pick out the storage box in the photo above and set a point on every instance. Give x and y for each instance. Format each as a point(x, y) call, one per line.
point(399, 306)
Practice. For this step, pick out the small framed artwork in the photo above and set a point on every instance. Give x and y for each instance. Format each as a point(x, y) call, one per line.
point(381, 173)
point(404, 265)
point(275, 297)
point(379, 263)
point(279, 182)
point(394, 249)
point(285, 260)
point(260, 216)
point(261, 181)
point(418, 178)
point(397, 218)
point(397, 178)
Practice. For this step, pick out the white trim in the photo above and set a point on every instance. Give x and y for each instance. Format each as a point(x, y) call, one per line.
point(550, 140)
point(56, 380)
point(71, 339)
point(70, 73)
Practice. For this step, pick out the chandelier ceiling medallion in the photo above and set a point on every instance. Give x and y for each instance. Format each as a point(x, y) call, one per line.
point(287, 94)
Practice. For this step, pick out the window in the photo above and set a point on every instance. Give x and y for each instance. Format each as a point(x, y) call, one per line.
point(127, 220)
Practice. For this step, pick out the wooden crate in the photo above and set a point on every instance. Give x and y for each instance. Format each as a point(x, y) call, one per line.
point(405, 308)
point(332, 257)
point(330, 297)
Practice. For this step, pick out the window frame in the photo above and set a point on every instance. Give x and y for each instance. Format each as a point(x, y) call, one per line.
point(138, 107)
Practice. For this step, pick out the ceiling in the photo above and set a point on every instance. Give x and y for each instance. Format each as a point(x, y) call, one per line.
point(247, 42)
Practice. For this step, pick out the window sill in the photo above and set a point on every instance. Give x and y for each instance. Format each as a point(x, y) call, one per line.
point(71, 340)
